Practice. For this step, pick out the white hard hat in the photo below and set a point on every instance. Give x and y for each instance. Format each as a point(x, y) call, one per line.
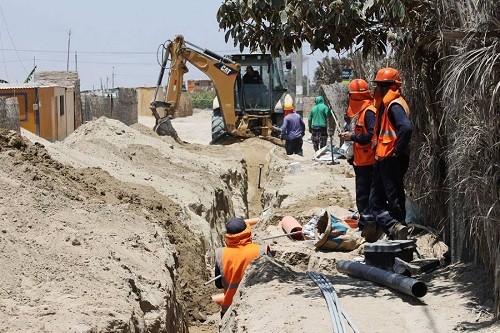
point(215, 103)
point(288, 102)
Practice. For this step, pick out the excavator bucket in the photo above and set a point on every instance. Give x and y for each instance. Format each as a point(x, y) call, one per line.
point(164, 127)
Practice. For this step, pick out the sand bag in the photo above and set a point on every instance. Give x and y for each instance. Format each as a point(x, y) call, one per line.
point(334, 234)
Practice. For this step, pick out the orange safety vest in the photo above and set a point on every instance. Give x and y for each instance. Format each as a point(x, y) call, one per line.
point(363, 154)
point(233, 260)
point(386, 141)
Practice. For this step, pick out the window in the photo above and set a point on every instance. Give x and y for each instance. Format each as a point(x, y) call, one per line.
point(61, 105)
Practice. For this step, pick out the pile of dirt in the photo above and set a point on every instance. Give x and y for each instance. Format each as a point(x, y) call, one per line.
point(75, 256)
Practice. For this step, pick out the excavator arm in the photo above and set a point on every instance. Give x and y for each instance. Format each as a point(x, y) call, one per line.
point(222, 71)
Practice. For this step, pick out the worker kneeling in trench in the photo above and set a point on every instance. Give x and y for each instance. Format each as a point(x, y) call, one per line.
point(232, 260)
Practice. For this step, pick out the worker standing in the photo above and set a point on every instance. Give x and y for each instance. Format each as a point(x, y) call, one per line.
point(318, 117)
point(232, 260)
point(293, 128)
point(361, 113)
point(391, 138)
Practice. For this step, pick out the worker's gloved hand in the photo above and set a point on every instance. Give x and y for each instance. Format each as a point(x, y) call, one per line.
point(345, 136)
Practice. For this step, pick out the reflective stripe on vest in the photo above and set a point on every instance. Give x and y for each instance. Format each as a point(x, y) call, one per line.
point(232, 263)
point(387, 137)
point(363, 154)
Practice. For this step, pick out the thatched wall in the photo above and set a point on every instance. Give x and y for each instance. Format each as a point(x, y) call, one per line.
point(335, 96)
point(9, 114)
point(451, 80)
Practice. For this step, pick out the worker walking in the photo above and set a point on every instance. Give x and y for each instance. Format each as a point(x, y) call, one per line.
point(318, 117)
point(232, 260)
point(293, 128)
point(391, 138)
point(361, 113)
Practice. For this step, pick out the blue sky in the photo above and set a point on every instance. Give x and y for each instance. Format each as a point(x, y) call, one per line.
point(119, 37)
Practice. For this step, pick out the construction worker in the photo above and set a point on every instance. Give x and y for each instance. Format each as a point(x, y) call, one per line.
point(317, 120)
point(361, 113)
point(391, 138)
point(293, 128)
point(232, 260)
point(251, 76)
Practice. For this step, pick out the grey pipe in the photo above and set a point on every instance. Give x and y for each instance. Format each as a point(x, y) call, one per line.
point(399, 282)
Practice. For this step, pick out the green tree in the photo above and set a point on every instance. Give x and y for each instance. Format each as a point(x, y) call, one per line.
point(202, 99)
point(330, 70)
point(283, 25)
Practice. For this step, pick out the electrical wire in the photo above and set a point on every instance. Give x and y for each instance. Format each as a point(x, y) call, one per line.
point(3, 57)
point(102, 62)
point(332, 309)
point(330, 295)
point(11, 40)
point(82, 52)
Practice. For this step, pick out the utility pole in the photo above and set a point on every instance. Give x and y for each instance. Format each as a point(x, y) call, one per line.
point(76, 62)
point(113, 78)
point(299, 89)
point(308, 79)
point(69, 42)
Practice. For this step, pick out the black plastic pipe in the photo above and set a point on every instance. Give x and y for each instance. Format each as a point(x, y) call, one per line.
point(389, 279)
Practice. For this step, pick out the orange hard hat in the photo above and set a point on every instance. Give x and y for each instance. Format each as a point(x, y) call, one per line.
point(387, 75)
point(358, 86)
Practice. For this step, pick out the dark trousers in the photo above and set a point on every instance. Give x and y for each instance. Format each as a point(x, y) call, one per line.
point(294, 146)
point(364, 176)
point(387, 195)
point(319, 137)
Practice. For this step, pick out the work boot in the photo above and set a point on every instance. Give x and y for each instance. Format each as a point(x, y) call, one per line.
point(398, 232)
point(371, 232)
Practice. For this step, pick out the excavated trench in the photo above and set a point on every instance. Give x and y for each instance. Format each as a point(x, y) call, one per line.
point(195, 297)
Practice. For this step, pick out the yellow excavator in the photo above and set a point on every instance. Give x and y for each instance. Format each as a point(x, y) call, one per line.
point(242, 108)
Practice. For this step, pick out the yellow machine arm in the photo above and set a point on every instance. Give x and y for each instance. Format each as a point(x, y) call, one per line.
point(221, 70)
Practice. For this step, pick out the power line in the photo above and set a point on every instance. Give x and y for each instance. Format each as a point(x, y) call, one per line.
point(3, 57)
point(12, 41)
point(84, 52)
point(104, 62)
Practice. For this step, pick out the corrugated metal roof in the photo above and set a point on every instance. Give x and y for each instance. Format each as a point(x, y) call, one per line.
point(8, 86)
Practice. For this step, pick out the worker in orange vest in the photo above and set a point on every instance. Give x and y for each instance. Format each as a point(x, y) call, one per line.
point(391, 138)
point(232, 260)
point(361, 114)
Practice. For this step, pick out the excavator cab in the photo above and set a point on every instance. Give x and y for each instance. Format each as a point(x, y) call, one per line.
point(258, 90)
